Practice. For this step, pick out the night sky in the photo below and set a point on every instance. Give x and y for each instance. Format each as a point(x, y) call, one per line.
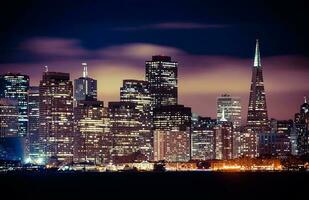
point(213, 41)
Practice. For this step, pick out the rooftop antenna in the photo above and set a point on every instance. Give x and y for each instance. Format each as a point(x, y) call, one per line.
point(305, 99)
point(85, 72)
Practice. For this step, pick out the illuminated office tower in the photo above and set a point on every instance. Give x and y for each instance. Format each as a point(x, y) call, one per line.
point(248, 144)
point(85, 88)
point(203, 138)
point(137, 92)
point(237, 133)
point(223, 139)
point(8, 118)
point(92, 139)
point(34, 121)
point(172, 129)
point(125, 127)
point(232, 108)
point(277, 143)
point(12, 146)
point(161, 73)
point(257, 119)
point(15, 86)
point(301, 128)
point(283, 142)
point(56, 115)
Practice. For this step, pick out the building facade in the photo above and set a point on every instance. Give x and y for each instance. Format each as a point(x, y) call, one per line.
point(137, 92)
point(34, 121)
point(301, 128)
point(161, 73)
point(203, 138)
point(8, 118)
point(223, 139)
point(15, 86)
point(248, 144)
point(172, 133)
point(56, 116)
point(232, 109)
point(92, 139)
point(125, 125)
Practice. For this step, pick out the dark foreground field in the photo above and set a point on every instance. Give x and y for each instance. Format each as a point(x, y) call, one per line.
point(173, 185)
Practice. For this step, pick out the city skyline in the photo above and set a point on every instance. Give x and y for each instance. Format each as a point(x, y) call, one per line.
point(180, 99)
point(214, 46)
point(109, 90)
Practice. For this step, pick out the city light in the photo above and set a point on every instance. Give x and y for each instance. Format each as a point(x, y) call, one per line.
point(69, 129)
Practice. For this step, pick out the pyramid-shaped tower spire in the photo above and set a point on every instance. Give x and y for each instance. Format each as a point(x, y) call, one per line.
point(257, 119)
point(257, 56)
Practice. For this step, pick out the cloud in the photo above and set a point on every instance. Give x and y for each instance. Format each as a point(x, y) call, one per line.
point(138, 51)
point(54, 47)
point(172, 26)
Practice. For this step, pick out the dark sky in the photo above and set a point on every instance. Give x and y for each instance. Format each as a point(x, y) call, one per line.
point(206, 37)
point(282, 26)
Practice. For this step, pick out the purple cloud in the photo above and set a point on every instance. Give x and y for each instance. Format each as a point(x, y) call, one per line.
point(54, 47)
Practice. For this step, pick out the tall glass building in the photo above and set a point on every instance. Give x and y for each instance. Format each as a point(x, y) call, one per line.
point(301, 129)
point(15, 86)
point(34, 121)
point(161, 73)
point(224, 139)
point(203, 138)
point(125, 127)
point(8, 118)
point(92, 141)
point(277, 143)
point(12, 146)
point(56, 116)
point(137, 92)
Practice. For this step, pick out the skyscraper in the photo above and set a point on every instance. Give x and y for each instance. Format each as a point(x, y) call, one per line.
point(125, 125)
point(34, 121)
point(223, 138)
point(248, 144)
point(56, 115)
point(85, 88)
point(161, 73)
point(92, 141)
point(137, 92)
point(8, 118)
point(301, 128)
point(257, 119)
point(203, 138)
point(232, 109)
point(277, 143)
point(15, 87)
point(12, 145)
point(172, 133)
